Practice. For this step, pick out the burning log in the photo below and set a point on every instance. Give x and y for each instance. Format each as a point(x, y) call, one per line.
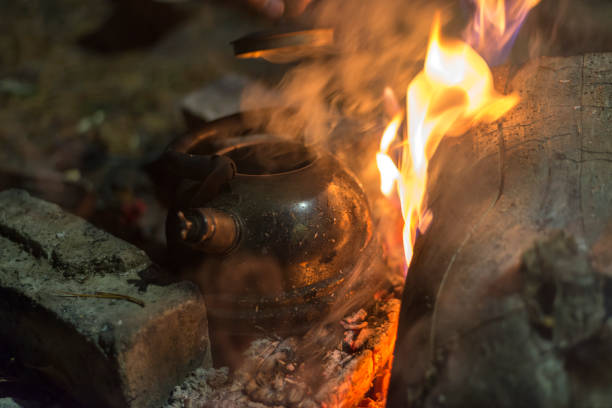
point(489, 319)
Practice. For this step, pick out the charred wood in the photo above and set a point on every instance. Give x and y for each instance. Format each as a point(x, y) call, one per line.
point(509, 285)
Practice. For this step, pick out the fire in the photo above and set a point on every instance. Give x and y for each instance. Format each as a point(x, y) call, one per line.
point(389, 174)
point(452, 92)
point(495, 25)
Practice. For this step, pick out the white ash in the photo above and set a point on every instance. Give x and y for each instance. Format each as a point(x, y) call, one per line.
point(198, 386)
point(284, 373)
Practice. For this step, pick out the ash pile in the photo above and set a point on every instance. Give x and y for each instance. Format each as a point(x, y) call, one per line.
point(335, 365)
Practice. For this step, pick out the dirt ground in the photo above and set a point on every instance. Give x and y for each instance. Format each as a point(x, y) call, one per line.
point(67, 72)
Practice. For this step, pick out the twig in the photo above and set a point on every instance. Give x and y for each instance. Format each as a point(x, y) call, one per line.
point(353, 326)
point(103, 295)
point(289, 380)
point(273, 335)
point(345, 360)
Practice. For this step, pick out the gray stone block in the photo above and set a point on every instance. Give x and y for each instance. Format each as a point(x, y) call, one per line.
point(8, 403)
point(104, 352)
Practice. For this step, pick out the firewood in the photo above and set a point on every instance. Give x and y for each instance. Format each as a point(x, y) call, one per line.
point(361, 339)
point(353, 326)
point(358, 316)
point(497, 303)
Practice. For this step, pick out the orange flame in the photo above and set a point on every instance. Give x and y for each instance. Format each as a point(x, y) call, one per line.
point(389, 174)
point(452, 92)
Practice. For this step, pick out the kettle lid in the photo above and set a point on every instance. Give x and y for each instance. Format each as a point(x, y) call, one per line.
point(285, 45)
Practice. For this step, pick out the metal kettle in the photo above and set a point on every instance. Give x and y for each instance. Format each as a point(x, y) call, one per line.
point(270, 228)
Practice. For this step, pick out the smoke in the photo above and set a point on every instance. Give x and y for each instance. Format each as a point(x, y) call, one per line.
point(377, 44)
point(335, 101)
point(381, 44)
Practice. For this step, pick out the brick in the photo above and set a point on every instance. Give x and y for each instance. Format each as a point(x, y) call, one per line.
point(103, 352)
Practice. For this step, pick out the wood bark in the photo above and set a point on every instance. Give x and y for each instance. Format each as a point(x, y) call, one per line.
point(488, 317)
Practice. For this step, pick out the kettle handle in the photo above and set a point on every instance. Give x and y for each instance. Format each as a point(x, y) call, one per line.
point(226, 126)
point(195, 177)
point(179, 160)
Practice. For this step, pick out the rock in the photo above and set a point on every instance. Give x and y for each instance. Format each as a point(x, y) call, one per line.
point(105, 352)
point(8, 403)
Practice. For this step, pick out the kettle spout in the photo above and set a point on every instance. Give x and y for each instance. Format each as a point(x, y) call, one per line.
point(207, 230)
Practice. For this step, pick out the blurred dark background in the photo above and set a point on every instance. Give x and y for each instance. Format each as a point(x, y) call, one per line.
point(90, 92)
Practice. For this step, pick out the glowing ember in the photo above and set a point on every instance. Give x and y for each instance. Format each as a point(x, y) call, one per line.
point(452, 92)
